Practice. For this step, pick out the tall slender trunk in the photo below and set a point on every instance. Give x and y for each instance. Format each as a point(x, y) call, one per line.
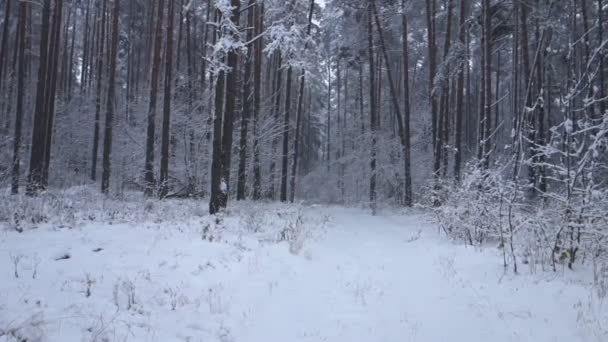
point(257, 75)
point(373, 108)
point(602, 68)
point(166, 134)
point(85, 47)
point(151, 129)
point(40, 116)
point(98, 92)
point(460, 96)
point(440, 155)
point(4, 42)
point(487, 84)
point(110, 104)
point(51, 89)
point(432, 55)
point(247, 106)
point(285, 130)
point(221, 182)
point(299, 113)
point(23, 9)
point(276, 114)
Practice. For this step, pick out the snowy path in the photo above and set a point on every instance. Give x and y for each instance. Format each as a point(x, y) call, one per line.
point(373, 279)
point(367, 279)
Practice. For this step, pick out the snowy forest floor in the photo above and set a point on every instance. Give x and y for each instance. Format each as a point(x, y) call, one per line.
point(272, 272)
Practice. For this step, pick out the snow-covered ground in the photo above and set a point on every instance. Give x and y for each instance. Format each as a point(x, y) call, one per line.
point(271, 273)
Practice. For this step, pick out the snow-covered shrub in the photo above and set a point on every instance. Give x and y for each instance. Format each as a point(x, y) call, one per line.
point(560, 219)
point(84, 204)
point(476, 210)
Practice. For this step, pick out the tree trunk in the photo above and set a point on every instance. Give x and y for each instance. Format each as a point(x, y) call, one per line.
point(151, 130)
point(373, 107)
point(276, 115)
point(110, 104)
point(299, 113)
point(40, 115)
point(247, 107)
point(98, 92)
point(23, 8)
point(166, 134)
point(257, 75)
point(602, 68)
point(4, 42)
point(487, 84)
point(285, 130)
point(460, 97)
point(220, 185)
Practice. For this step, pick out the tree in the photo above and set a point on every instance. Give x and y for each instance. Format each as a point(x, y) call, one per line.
point(407, 144)
point(98, 92)
point(222, 155)
point(247, 104)
point(299, 113)
point(110, 103)
point(372, 113)
point(151, 130)
point(460, 96)
point(23, 11)
point(164, 162)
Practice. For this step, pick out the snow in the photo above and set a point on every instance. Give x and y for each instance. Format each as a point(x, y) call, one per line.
point(278, 273)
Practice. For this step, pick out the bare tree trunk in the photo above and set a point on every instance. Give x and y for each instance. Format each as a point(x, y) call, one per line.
point(487, 84)
point(151, 130)
point(110, 104)
point(85, 48)
point(247, 107)
point(373, 107)
point(40, 116)
point(220, 185)
point(216, 164)
point(257, 75)
point(460, 97)
point(602, 68)
point(4, 42)
point(276, 115)
point(51, 88)
point(98, 92)
point(441, 153)
point(299, 113)
point(432, 54)
point(166, 134)
point(23, 9)
point(285, 130)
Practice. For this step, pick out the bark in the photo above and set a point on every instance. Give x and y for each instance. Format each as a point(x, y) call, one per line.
point(4, 42)
point(299, 113)
point(247, 107)
point(110, 103)
point(460, 97)
point(98, 93)
point(373, 108)
point(602, 69)
point(151, 129)
point(23, 9)
point(487, 46)
point(40, 116)
point(257, 75)
point(220, 185)
point(51, 89)
point(164, 156)
point(276, 114)
point(285, 130)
